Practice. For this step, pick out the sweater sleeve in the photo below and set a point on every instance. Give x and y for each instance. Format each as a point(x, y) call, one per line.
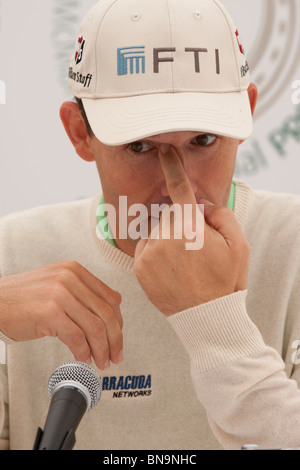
point(239, 380)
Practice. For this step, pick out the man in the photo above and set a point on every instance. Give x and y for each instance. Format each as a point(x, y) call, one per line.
point(188, 342)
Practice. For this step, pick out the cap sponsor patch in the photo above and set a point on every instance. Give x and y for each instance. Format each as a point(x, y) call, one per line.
point(80, 49)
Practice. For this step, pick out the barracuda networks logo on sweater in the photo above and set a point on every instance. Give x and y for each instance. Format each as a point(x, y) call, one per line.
point(129, 386)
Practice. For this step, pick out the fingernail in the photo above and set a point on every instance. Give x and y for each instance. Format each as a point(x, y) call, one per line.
point(164, 148)
point(107, 364)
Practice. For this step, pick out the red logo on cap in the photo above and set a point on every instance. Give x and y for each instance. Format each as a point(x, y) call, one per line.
point(79, 52)
point(239, 42)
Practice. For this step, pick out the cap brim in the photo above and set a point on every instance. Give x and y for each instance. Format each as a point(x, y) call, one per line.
point(119, 121)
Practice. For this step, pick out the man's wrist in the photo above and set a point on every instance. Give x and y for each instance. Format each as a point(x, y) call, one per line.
point(217, 332)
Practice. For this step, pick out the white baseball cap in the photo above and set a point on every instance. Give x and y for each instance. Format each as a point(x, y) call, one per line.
point(147, 67)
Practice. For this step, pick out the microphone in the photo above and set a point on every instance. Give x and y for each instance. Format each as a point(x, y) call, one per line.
point(74, 388)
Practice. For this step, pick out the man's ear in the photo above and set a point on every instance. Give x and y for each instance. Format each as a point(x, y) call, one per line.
point(252, 93)
point(75, 127)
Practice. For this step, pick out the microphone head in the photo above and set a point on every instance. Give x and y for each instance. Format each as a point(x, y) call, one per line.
point(79, 375)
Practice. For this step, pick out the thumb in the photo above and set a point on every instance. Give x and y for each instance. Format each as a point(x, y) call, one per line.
point(223, 220)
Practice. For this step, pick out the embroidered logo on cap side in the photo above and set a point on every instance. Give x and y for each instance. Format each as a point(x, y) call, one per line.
point(79, 51)
point(239, 42)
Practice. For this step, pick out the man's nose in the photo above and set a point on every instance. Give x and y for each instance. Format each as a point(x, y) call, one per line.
point(186, 163)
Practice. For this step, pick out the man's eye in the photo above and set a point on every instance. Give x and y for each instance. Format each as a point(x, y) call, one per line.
point(205, 139)
point(140, 147)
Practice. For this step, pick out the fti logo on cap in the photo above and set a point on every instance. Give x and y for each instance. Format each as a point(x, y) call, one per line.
point(79, 51)
point(132, 58)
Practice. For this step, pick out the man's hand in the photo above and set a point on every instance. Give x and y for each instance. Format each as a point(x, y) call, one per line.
point(67, 301)
point(175, 278)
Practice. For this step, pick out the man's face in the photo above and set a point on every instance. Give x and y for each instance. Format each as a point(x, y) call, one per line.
point(133, 170)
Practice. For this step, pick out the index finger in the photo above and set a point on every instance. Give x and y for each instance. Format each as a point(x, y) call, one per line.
point(96, 286)
point(178, 184)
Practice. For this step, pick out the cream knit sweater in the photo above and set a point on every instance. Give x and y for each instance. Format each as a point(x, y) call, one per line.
point(206, 378)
